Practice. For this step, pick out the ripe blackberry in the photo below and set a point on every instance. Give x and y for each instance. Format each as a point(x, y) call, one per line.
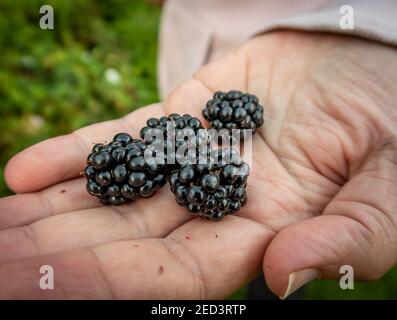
point(234, 110)
point(181, 131)
point(117, 173)
point(214, 189)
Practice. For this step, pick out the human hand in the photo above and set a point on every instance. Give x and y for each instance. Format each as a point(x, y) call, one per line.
point(322, 192)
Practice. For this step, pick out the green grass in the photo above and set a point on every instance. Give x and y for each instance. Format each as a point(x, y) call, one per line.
point(386, 288)
point(53, 81)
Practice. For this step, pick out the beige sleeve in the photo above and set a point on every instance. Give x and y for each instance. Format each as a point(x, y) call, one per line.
point(373, 20)
point(193, 32)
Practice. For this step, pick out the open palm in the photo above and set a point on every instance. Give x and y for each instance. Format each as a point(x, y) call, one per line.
point(322, 190)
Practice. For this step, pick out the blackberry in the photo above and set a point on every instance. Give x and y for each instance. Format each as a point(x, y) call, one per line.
point(176, 132)
point(214, 189)
point(234, 110)
point(117, 173)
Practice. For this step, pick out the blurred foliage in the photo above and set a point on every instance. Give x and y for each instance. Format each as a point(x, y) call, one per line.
point(98, 63)
point(386, 288)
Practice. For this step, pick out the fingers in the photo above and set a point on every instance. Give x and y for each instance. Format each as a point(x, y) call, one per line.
point(315, 248)
point(224, 74)
point(358, 229)
point(201, 259)
point(62, 158)
point(189, 97)
point(27, 208)
point(65, 217)
point(86, 228)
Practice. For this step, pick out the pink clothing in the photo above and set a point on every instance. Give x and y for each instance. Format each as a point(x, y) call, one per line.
point(194, 32)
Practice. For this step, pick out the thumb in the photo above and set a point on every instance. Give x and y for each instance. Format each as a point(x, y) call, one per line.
point(357, 228)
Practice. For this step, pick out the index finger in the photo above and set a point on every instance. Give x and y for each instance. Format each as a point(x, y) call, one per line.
point(64, 157)
point(200, 259)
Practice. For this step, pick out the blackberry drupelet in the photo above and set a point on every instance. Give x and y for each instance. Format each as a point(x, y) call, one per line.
point(214, 189)
point(117, 173)
point(234, 110)
point(179, 129)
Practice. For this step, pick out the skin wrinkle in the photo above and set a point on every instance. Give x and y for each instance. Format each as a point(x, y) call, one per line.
point(319, 194)
point(192, 266)
point(46, 197)
point(270, 180)
point(372, 121)
point(260, 224)
point(339, 250)
point(125, 124)
point(137, 208)
point(188, 218)
point(30, 234)
point(353, 214)
point(387, 147)
point(82, 145)
point(343, 249)
point(106, 283)
point(327, 191)
point(377, 213)
point(286, 169)
point(302, 147)
point(130, 119)
point(343, 175)
point(315, 185)
point(349, 141)
point(49, 210)
point(372, 127)
point(140, 229)
point(373, 270)
point(314, 168)
point(284, 208)
point(199, 80)
point(311, 210)
point(304, 203)
point(377, 177)
point(296, 215)
point(312, 163)
point(335, 249)
point(325, 175)
point(375, 84)
point(375, 162)
point(343, 132)
point(379, 217)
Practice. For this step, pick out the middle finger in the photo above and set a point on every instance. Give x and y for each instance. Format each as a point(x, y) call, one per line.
point(140, 219)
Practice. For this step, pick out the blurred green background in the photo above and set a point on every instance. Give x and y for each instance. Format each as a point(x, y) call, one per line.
point(98, 63)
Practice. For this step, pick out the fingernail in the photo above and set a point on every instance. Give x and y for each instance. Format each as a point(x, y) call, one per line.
point(298, 279)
